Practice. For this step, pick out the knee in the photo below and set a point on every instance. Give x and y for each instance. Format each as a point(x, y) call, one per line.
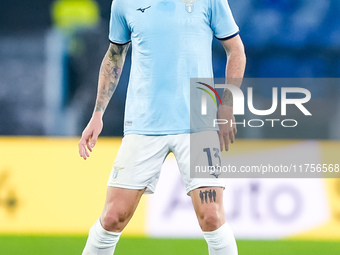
point(113, 221)
point(211, 220)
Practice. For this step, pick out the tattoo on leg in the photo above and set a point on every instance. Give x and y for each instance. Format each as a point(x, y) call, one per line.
point(214, 195)
point(201, 197)
point(207, 196)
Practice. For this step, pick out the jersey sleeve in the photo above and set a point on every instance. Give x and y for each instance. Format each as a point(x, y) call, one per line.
point(119, 31)
point(222, 21)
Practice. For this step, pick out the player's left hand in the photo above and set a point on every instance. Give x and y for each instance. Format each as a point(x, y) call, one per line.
point(227, 131)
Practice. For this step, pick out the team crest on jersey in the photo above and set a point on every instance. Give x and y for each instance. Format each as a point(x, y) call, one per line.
point(189, 5)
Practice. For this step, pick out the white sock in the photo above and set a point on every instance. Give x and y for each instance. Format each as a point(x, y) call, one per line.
point(221, 241)
point(100, 241)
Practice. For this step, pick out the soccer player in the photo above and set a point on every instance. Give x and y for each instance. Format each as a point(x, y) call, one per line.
point(171, 43)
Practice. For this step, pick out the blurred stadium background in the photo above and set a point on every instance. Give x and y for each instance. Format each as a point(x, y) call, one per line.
point(50, 52)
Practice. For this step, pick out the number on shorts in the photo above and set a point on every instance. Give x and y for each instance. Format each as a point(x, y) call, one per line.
point(210, 161)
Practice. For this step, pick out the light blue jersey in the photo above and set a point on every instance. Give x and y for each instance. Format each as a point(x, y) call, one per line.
point(171, 43)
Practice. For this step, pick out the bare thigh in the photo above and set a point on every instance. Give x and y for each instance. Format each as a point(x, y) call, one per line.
point(119, 208)
point(208, 205)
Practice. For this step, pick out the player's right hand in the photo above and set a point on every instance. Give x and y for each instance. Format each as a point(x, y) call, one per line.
point(90, 135)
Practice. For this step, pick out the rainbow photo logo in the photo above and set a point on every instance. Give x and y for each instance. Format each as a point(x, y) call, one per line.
point(204, 96)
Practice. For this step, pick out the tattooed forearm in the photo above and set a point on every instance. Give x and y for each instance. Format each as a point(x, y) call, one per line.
point(104, 97)
point(110, 72)
point(227, 98)
point(208, 196)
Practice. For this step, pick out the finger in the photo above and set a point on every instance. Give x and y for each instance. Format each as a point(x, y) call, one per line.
point(94, 139)
point(231, 136)
point(82, 149)
point(221, 140)
point(83, 152)
point(226, 142)
point(88, 145)
point(86, 151)
point(85, 140)
point(235, 129)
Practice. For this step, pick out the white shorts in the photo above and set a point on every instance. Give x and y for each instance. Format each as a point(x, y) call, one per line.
point(140, 158)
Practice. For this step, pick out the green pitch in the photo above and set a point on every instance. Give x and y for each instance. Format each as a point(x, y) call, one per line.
point(73, 245)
